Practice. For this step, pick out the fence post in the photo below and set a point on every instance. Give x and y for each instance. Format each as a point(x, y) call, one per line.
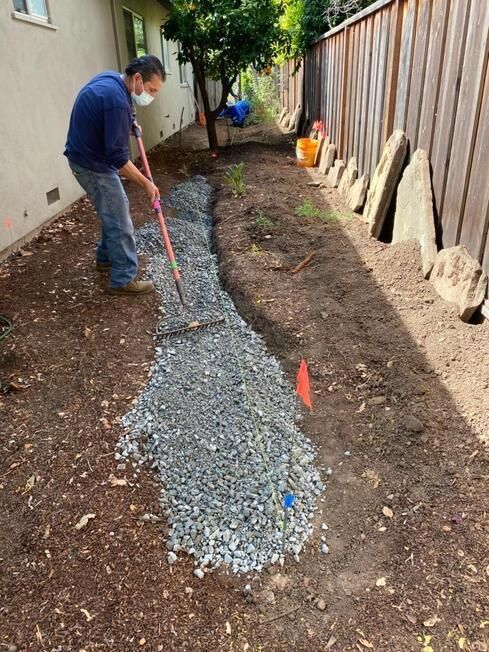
point(393, 69)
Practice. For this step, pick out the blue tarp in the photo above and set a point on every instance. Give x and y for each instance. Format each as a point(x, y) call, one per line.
point(237, 112)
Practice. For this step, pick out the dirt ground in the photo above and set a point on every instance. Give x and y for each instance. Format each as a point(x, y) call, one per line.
point(401, 415)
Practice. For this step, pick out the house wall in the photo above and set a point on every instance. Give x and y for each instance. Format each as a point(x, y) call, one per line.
point(43, 70)
point(162, 118)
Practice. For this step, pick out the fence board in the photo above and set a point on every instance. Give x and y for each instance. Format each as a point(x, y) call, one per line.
point(318, 89)
point(345, 105)
point(321, 90)
point(476, 215)
point(364, 117)
point(447, 104)
point(392, 68)
point(423, 24)
point(473, 72)
point(405, 64)
point(429, 108)
point(358, 102)
point(339, 78)
point(332, 86)
point(380, 90)
point(374, 72)
point(356, 39)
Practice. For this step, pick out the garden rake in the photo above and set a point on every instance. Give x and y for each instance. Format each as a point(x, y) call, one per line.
point(193, 325)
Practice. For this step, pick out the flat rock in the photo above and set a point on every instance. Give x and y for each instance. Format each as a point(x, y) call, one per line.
point(282, 115)
point(336, 172)
point(327, 158)
point(295, 118)
point(459, 278)
point(324, 143)
point(349, 177)
point(286, 120)
point(385, 181)
point(358, 193)
point(414, 218)
point(319, 150)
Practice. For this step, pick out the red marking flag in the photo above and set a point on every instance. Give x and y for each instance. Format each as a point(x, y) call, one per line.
point(303, 387)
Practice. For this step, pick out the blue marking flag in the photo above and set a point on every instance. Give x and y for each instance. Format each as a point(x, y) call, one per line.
point(288, 500)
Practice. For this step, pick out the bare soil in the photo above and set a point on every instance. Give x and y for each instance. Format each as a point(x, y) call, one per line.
point(400, 414)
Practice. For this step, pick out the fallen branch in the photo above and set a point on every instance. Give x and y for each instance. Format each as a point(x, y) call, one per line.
point(304, 263)
point(285, 613)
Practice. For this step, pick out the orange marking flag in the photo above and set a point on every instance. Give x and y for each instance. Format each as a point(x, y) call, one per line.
point(303, 387)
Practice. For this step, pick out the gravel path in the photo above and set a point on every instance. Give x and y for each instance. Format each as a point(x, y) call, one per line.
point(217, 420)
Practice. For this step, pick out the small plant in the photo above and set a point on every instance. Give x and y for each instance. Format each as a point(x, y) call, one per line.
point(334, 217)
point(255, 250)
point(234, 179)
point(262, 221)
point(307, 209)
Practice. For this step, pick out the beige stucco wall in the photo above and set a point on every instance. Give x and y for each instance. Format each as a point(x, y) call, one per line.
point(163, 115)
point(43, 70)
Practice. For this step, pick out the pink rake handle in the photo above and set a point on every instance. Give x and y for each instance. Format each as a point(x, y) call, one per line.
point(161, 219)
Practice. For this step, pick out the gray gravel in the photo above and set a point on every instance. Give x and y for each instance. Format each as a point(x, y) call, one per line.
point(217, 420)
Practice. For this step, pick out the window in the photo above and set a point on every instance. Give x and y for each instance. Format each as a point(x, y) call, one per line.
point(135, 34)
point(182, 69)
point(165, 53)
point(34, 8)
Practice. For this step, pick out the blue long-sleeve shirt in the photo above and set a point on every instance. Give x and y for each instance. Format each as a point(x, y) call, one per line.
point(100, 124)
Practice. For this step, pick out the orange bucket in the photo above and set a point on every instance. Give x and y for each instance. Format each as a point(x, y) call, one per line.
point(306, 152)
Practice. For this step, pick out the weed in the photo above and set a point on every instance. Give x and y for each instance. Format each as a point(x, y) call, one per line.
point(334, 217)
point(255, 250)
point(262, 221)
point(234, 179)
point(307, 209)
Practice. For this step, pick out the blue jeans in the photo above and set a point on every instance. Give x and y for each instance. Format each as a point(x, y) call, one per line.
point(117, 245)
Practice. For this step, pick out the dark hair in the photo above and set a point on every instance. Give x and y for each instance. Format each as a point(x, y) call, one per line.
point(147, 66)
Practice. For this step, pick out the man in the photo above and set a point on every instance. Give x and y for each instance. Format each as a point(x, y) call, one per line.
point(98, 150)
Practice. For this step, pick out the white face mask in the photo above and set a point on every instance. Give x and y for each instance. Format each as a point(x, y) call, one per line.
point(142, 100)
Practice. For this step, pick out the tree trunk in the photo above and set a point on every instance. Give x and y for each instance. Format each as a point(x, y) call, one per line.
point(211, 115)
point(210, 119)
point(210, 123)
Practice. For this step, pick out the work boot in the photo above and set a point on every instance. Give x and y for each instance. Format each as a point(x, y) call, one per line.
point(103, 267)
point(133, 288)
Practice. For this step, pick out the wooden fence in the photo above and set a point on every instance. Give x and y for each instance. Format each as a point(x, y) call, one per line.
point(416, 65)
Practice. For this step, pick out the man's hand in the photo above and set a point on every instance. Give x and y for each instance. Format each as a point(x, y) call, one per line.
point(135, 126)
point(152, 191)
point(130, 171)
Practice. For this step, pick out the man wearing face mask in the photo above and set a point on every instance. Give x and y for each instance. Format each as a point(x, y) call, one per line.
point(97, 149)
